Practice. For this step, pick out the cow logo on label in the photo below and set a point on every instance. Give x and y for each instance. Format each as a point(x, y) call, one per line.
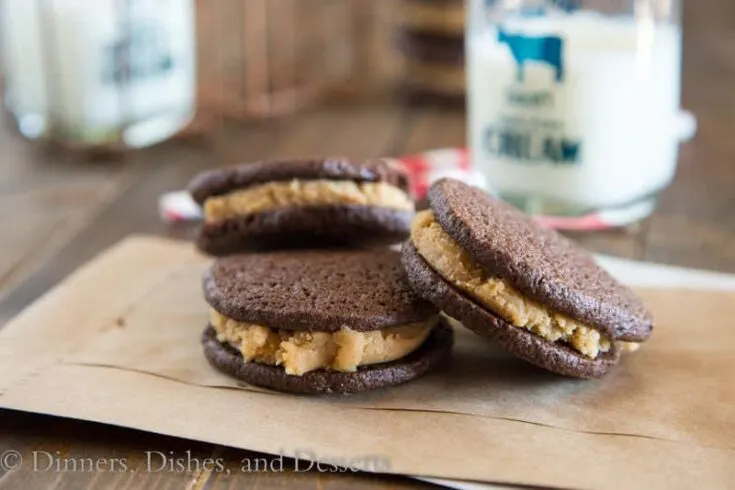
point(544, 49)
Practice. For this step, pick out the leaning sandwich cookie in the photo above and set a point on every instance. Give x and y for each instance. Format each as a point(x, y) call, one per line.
point(302, 203)
point(320, 322)
point(527, 288)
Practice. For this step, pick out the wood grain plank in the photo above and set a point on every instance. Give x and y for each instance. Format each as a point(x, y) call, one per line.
point(341, 131)
point(626, 242)
point(431, 128)
point(288, 473)
point(64, 454)
point(45, 199)
point(50, 217)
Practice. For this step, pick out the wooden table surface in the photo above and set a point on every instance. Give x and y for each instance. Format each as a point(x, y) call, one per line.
point(57, 212)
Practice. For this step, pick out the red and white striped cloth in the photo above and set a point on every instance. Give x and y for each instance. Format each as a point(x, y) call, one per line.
point(425, 168)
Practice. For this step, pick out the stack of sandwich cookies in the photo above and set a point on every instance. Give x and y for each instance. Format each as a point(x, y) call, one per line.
point(320, 322)
point(303, 203)
point(529, 289)
point(430, 42)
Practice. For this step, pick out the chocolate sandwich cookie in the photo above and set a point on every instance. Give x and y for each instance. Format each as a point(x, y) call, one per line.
point(438, 16)
point(320, 322)
point(302, 203)
point(531, 290)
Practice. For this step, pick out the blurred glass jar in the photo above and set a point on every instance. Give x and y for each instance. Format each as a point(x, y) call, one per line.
point(574, 104)
point(109, 74)
point(265, 58)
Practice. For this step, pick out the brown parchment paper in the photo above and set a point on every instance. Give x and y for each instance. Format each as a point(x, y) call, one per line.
point(118, 342)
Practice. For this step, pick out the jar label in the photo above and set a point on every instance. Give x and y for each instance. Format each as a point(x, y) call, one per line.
point(142, 52)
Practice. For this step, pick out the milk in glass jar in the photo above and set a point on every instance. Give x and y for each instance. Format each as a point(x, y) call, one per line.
point(99, 74)
point(573, 104)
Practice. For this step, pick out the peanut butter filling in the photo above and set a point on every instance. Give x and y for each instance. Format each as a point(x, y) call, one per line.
point(301, 352)
point(274, 195)
point(456, 266)
point(627, 346)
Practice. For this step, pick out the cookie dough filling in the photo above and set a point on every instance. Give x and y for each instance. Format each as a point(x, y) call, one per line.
point(301, 352)
point(455, 265)
point(274, 195)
